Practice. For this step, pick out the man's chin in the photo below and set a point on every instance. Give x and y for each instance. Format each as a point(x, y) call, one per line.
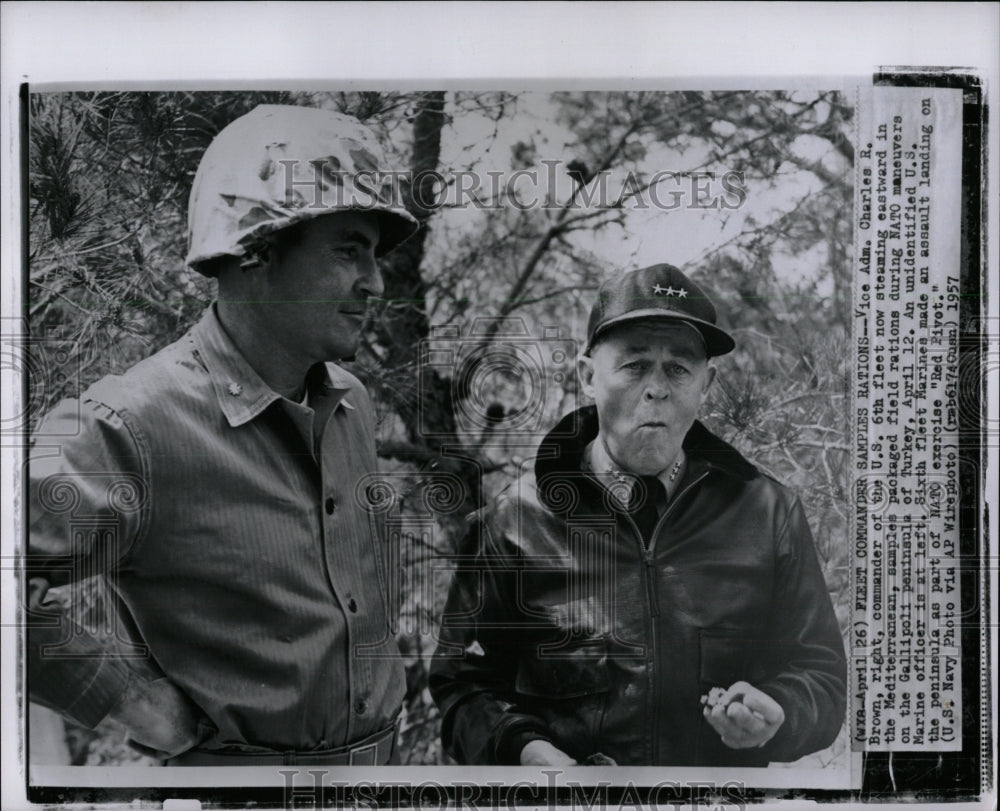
point(649, 459)
point(343, 352)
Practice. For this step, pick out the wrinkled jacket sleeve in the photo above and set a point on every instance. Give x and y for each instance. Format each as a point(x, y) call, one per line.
point(85, 491)
point(811, 686)
point(472, 674)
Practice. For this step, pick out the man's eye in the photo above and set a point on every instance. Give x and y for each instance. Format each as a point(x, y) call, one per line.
point(679, 371)
point(347, 252)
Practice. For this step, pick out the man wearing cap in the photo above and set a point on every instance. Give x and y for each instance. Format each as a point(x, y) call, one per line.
point(643, 595)
point(217, 485)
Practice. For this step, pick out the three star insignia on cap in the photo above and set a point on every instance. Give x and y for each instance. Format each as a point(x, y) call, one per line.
point(235, 389)
point(680, 292)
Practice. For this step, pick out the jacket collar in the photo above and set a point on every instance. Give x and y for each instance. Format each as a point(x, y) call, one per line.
point(561, 452)
point(241, 392)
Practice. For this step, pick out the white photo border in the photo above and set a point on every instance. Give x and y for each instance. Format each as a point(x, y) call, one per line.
point(290, 45)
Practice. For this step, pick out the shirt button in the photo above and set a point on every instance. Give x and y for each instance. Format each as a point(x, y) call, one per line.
point(352, 606)
point(360, 707)
point(330, 506)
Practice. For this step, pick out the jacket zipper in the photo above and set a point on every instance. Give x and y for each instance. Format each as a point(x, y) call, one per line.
point(654, 607)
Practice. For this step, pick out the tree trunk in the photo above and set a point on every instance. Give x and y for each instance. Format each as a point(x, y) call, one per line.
point(404, 325)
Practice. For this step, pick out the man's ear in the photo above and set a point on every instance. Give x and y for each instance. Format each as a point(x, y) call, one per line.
point(709, 379)
point(585, 371)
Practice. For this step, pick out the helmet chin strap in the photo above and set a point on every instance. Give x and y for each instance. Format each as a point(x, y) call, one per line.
point(256, 256)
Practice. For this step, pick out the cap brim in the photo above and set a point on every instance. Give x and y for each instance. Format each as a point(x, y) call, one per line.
point(717, 341)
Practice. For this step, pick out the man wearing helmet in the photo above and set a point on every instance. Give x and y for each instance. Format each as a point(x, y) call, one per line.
point(244, 560)
point(643, 595)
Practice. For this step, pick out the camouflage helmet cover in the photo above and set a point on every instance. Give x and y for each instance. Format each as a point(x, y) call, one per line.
point(279, 165)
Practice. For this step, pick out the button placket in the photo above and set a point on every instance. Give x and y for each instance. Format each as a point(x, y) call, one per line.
point(343, 520)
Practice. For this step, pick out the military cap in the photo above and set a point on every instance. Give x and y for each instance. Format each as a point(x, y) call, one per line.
point(660, 292)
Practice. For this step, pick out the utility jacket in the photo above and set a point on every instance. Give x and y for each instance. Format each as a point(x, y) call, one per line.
point(562, 625)
point(236, 541)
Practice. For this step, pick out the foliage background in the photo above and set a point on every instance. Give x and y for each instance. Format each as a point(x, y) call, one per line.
point(110, 174)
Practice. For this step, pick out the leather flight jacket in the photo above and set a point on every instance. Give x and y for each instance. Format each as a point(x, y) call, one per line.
point(563, 625)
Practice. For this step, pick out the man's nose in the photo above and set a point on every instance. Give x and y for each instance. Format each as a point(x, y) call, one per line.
point(370, 278)
point(657, 386)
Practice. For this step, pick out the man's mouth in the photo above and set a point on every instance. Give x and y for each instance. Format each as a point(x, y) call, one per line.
point(653, 424)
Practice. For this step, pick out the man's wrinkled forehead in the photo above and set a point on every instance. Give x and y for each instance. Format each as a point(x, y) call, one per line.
point(679, 337)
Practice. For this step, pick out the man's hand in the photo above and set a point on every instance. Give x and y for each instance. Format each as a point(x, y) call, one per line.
point(743, 716)
point(543, 753)
point(159, 717)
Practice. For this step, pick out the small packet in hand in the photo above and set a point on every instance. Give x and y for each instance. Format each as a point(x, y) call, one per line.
point(714, 697)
